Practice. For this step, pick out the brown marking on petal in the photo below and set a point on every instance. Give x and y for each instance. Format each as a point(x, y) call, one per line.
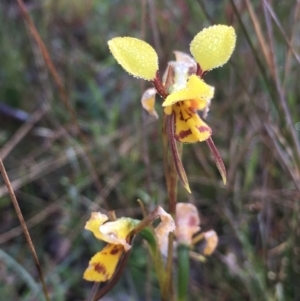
point(193, 221)
point(115, 250)
point(180, 104)
point(181, 116)
point(204, 129)
point(100, 268)
point(183, 134)
point(189, 114)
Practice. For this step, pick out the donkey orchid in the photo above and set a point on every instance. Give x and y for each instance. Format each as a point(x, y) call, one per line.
point(118, 235)
point(183, 89)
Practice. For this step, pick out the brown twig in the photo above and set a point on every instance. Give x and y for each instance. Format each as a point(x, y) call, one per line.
point(23, 130)
point(48, 61)
point(291, 41)
point(24, 227)
point(276, 20)
point(153, 24)
point(262, 41)
point(61, 89)
point(281, 96)
point(33, 221)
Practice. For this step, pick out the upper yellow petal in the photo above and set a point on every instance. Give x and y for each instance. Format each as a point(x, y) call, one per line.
point(103, 265)
point(196, 89)
point(135, 56)
point(213, 46)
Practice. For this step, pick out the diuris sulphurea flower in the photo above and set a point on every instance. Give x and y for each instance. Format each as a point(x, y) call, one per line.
point(118, 235)
point(183, 89)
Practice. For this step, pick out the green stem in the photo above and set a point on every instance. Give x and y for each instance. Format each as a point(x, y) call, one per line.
point(168, 291)
point(183, 271)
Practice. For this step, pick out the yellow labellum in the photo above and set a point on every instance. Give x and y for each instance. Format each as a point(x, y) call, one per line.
point(189, 127)
point(135, 56)
point(196, 89)
point(103, 265)
point(212, 47)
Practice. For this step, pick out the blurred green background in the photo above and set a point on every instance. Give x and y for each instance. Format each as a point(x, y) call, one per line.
point(59, 176)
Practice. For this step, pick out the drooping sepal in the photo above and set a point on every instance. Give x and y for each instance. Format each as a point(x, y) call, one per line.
point(177, 160)
point(217, 158)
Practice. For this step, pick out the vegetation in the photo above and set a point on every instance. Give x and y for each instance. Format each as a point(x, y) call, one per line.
point(75, 139)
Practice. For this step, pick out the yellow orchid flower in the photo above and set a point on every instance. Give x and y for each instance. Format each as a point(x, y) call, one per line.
point(183, 89)
point(211, 48)
point(117, 234)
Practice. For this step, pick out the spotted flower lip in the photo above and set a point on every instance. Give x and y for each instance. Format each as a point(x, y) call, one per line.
point(189, 127)
point(184, 102)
